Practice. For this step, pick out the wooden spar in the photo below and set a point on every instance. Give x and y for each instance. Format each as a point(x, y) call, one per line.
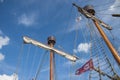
point(116, 15)
point(97, 22)
point(36, 43)
point(109, 44)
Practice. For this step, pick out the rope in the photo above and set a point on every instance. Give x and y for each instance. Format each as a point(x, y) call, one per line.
point(75, 39)
point(84, 35)
point(98, 63)
point(109, 64)
point(108, 61)
point(90, 51)
point(103, 52)
point(68, 25)
point(19, 59)
point(40, 66)
point(26, 61)
point(32, 62)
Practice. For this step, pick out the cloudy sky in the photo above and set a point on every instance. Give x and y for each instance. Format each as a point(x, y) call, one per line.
point(39, 19)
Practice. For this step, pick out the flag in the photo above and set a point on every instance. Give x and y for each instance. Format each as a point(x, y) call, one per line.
point(87, 66)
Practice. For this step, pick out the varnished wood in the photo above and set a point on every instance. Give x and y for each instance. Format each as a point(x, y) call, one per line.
point(51, 63)
point(109, 44)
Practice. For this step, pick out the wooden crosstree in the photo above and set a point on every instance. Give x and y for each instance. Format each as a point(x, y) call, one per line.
point(50, 46)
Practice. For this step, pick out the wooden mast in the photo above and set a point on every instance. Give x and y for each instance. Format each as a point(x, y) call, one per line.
point(51, 64)
point(51, 42)
point(89, 12)
point(109, 44)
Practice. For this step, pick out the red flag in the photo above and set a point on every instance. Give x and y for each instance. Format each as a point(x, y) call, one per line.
point(87, 66)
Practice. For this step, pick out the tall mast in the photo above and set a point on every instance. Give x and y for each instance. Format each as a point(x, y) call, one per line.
point(51, 42)
point(89, 12)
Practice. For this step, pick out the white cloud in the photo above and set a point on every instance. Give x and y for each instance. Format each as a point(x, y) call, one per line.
point(4, 41)
point(78, 19)
point(83, 47)
point(2, 57)
point(114, 21)
point(75, 27)
point(1, 1)
point(82, 60)
point(68, 63)
point(1, 32)
point(112, 9)
point(9, 77)
point(116, 3)
point(77, 24)
point(6, 68)
point(27, 20)
point(46, 69)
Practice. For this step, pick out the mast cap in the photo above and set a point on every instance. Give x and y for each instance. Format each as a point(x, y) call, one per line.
point(51, 39)
point(89, 9)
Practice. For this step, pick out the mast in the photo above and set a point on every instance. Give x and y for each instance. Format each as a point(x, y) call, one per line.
point(110, 46)
point(89, 12)
point(50, 46)
point(51, 43)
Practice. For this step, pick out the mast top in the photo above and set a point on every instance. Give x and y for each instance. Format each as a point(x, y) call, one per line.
point(89, 9)
point(51, 40)
point(89, 12)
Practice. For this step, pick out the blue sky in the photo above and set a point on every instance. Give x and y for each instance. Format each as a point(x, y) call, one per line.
point(39, 19)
